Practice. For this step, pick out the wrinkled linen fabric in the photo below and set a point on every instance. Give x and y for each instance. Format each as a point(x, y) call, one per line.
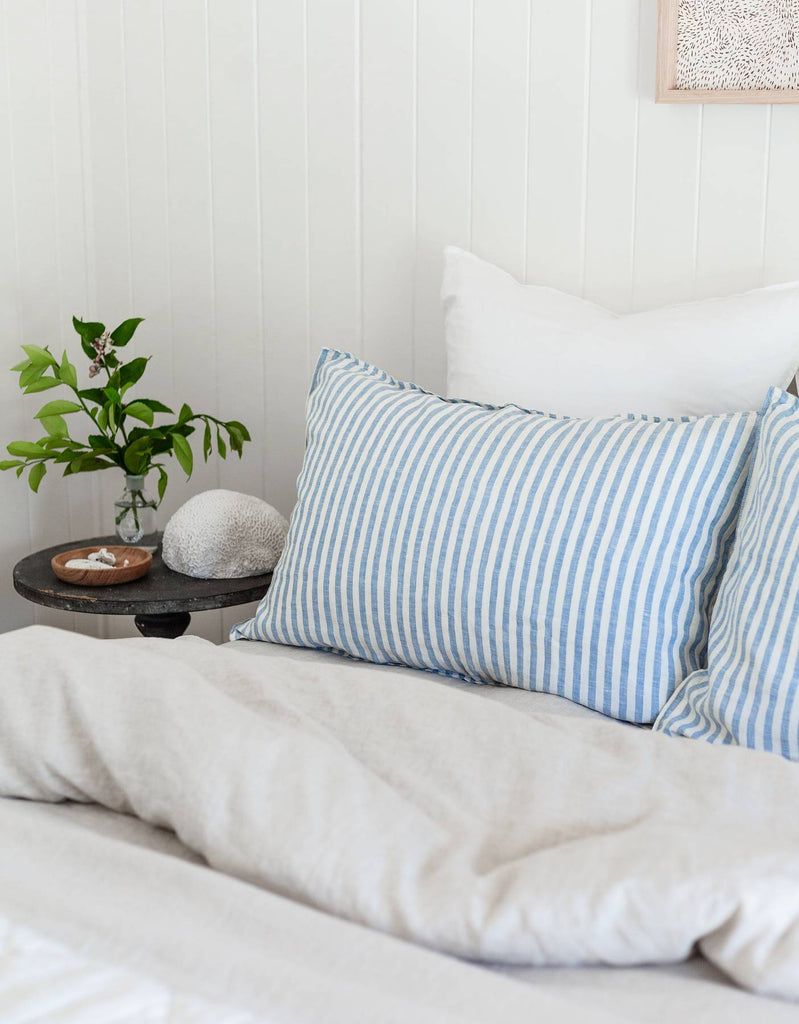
point(102, 922)
point(417, 809)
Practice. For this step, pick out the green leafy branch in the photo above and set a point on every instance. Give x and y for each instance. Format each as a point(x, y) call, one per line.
point(113, 440)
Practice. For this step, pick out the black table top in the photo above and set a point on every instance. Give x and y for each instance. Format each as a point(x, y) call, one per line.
point(159, 592)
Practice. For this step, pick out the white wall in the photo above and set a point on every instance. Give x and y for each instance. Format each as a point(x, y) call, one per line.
point(259, 178)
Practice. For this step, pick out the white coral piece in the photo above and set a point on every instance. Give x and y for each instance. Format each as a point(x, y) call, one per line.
point(738, 44)
point(224, 535)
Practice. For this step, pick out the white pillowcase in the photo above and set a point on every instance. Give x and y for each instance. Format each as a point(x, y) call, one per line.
point(540, 348)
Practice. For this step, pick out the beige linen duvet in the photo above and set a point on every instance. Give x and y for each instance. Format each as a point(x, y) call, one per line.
point(419, 809)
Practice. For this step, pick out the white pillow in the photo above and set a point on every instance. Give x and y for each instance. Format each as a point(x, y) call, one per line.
point(540, 348)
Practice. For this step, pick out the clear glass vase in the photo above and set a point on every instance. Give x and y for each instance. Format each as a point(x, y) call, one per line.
point(135, 514)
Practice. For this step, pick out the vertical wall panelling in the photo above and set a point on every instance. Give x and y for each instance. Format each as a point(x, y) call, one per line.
point(98, 484)
point(443, 166)
point(282, 150)
point(667, 182)
point(36, 223)
point(17, 535)
point(148, 199)
point(612, 153)
point(193, 324)
point(500, 121)
point(237, 271)
point(143, 46)
point(333, 28)
point(108, 157)
point(560, 46)
point(261, 178)
point(781, 255)
point(72, 292)
point(387, 131)
point(733, 174)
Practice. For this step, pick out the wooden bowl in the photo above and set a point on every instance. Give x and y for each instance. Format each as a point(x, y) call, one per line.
point(139, 559)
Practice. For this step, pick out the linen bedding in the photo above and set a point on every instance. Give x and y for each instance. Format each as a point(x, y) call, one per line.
point(71, 878)
point(498, 545)
point(436, 813)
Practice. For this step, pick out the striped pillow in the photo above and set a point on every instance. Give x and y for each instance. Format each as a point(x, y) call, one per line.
point(578, 557)
point(750, 693)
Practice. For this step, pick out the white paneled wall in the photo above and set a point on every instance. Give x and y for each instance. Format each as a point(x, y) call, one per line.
point(259, 178)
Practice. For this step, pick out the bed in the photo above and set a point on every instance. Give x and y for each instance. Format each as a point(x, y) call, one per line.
point(447, 787)
point(83, 934)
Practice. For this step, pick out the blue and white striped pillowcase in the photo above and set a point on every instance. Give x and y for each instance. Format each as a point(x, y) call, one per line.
point(578, 557)
point(749, 694)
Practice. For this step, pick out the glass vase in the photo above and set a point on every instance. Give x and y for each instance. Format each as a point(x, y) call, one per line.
point(135, 514)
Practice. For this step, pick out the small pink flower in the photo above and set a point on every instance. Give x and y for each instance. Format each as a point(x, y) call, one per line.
point(100, 343)
point(94, 369)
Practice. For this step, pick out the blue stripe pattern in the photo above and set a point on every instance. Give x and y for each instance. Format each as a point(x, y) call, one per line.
point(578, 557)
point(749, 694)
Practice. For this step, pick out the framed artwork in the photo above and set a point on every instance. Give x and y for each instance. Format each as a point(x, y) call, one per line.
point(728, 51)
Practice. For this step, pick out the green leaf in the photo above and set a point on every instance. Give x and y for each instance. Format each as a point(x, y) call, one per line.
point(136, 464)
point(238, 428)
point(121, 335)
point(27, 449)
point(61, 442)
point(96, 395)
point(140, 411)
point(207, 448)
point(91, 329)
point(42, 384)
point(102, 417)
point(137, 432)
point(132, 371)
point(89, 332)
point(10, 464)
point(56, 426)
point(86, 463)
point(138, 455)
point(163, 480)
point(35, 476)
point(156, 406)
point(182, 453)
point(21, 366)
point(59, 407)
point(239, 434)
point(111, 360)
point(113, 417)
point(59, 458)
point(185, 413)
point(236, 440)
point(39, 356)
point(32, 373)
point(112, 395)
point(220, 444)
point(67, 372)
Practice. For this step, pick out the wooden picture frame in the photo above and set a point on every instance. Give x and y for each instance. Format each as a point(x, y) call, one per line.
point(666, 90)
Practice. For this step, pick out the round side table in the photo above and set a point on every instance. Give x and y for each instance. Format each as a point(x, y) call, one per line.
point(162, 601)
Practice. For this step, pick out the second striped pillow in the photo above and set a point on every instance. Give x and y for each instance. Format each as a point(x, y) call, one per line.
point(578, 557)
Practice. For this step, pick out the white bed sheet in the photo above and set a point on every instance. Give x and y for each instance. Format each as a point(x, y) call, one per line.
point(522, 701)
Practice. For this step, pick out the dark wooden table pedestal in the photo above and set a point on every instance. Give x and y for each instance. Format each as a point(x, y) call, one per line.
point(161, 602)
point(169, 625)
